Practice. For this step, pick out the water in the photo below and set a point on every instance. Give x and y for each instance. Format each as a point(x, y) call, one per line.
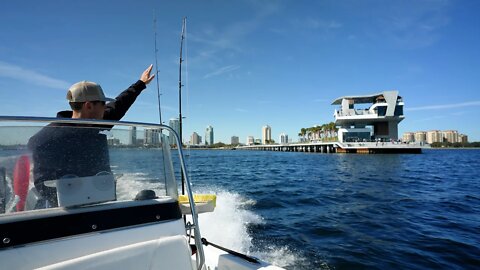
point(335, 211)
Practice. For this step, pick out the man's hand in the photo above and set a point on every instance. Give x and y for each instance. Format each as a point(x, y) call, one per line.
point(146, 78)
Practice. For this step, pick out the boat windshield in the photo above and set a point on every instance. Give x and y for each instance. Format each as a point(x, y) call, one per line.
point(52, 163)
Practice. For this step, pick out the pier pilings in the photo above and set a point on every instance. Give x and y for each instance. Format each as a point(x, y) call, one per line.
point(337, 147)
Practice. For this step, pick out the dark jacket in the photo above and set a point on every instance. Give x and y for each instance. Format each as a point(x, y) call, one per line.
point(63, 150)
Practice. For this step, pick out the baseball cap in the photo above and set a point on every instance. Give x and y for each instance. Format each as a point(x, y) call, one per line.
point(86, 91)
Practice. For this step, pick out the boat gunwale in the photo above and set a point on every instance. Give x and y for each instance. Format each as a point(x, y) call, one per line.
point(91, 219)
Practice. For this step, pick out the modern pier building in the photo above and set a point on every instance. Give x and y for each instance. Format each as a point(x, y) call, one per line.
point(378, 121)
point(371, 129)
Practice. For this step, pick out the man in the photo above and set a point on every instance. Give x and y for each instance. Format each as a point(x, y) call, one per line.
point(73, 150)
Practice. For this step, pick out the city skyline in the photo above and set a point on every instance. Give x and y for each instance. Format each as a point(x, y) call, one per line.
point(429, 136)
point(248, 63)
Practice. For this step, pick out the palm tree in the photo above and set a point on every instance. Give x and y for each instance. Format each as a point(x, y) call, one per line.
point(316, 131)
point(302, 133)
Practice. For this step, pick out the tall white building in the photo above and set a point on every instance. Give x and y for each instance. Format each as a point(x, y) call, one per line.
point(434, 136)
point(420, 136)
point(450, 136)
point(152, 136)
point(250, 140)
point(132, 136)
point(283, 139)
point(175, 125)
point(408, 137)
point(195, 139)
point(209, 135)
point(266, 134)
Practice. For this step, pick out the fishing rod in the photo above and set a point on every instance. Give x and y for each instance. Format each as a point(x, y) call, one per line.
point(162, 141)
point(229, 251)
point(156, 65)
point(182, 38)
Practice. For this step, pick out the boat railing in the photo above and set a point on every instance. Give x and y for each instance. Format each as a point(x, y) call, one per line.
point(102, 123)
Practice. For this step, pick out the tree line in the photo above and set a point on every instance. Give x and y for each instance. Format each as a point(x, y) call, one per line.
point(454, 145)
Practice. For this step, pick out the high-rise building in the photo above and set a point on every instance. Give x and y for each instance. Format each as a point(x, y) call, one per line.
point(209, 135)
point(434, 136)
point(462, 138)
point(152, 136)
point(250, 140)
point(420, 136)
point(283, 139)
point(450, 136)
point(235, 140)
point(132, 136)
point(408, 137)
point(266, 134)
point(195, 139)
point(175, 125)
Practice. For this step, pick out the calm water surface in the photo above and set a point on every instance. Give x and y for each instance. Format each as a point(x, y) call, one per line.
point(348, 211)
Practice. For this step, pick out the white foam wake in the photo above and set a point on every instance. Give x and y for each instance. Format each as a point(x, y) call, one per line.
point(227, 227)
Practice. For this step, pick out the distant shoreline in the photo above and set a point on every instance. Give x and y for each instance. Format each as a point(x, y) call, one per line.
point(196, 148)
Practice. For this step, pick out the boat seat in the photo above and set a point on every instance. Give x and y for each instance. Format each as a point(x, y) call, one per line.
point(165, 253)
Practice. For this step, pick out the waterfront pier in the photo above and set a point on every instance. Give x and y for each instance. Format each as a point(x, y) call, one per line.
point(337, 147)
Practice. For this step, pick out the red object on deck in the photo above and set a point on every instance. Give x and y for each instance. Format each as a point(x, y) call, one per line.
point(21, 175)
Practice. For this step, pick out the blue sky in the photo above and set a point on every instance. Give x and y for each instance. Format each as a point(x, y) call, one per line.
point(248, 63)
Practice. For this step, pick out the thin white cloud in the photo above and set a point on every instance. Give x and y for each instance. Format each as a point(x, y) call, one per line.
point(241, 110)
point(29, 76)
point(221, 71)
point(444, 106)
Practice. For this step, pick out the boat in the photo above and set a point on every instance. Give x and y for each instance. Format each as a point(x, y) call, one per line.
point(129, 217)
